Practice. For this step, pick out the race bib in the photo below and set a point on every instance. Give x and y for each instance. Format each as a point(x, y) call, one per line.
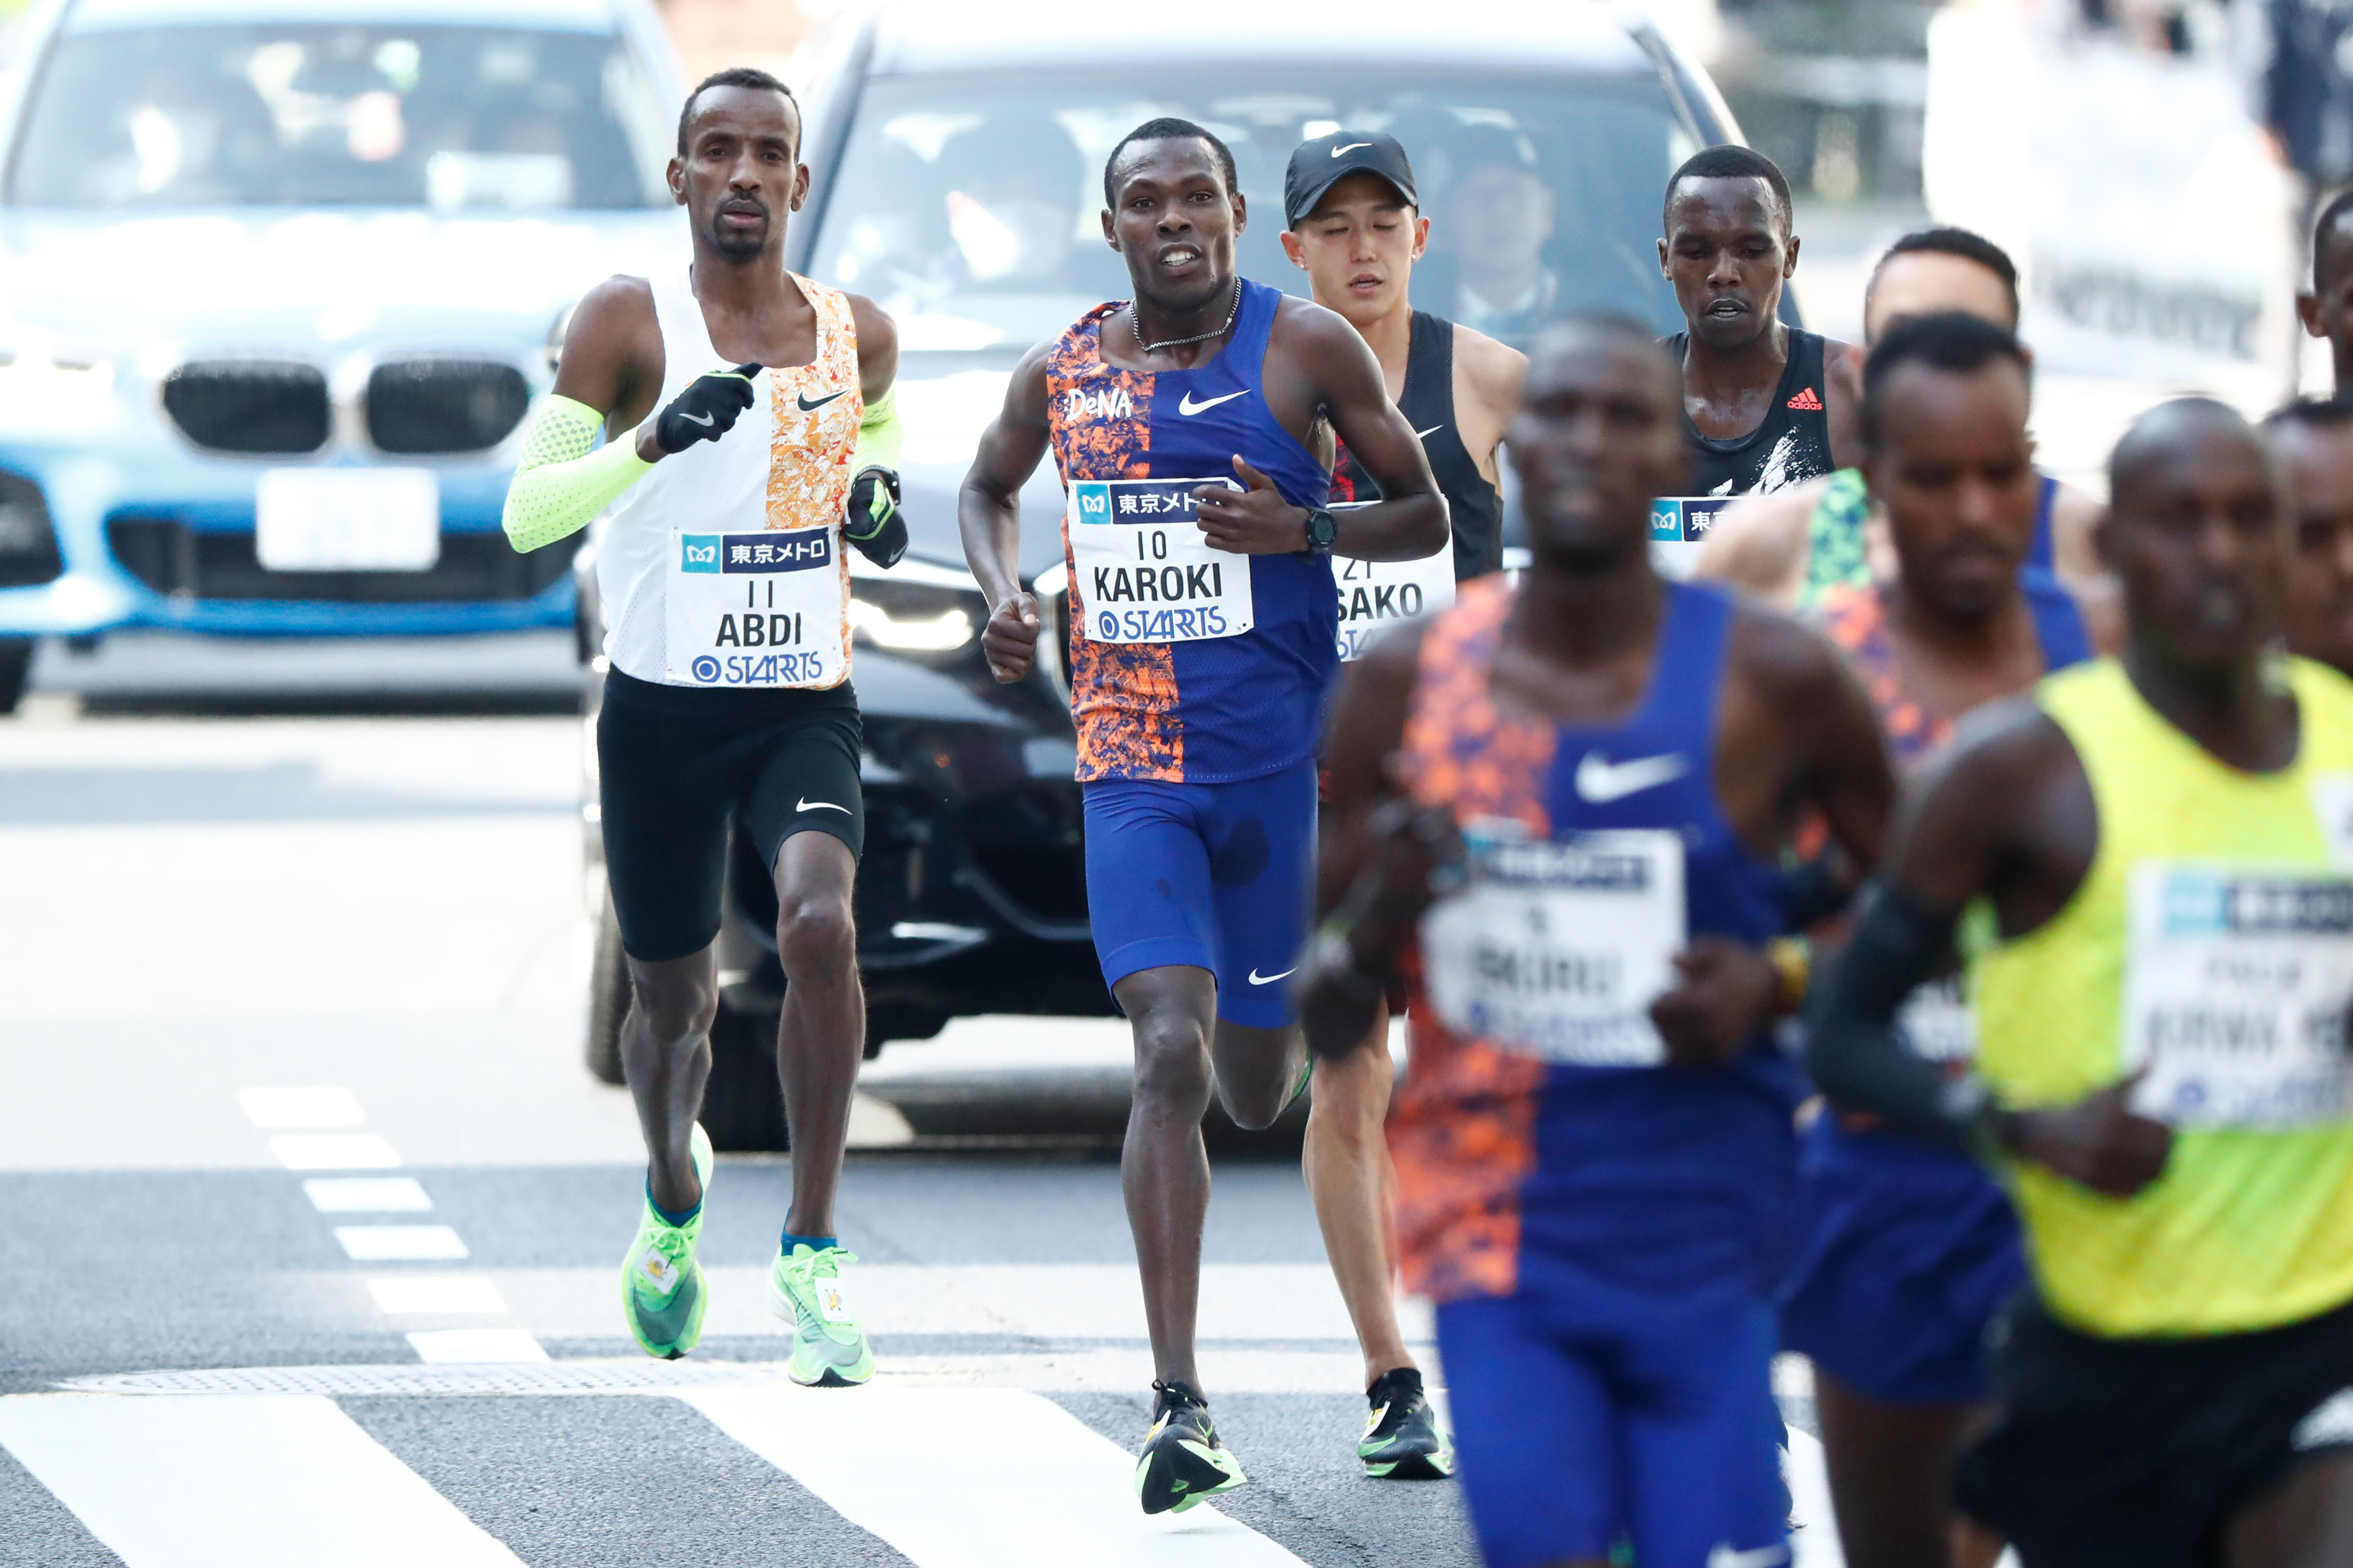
point(1374, 592)
point(2236, 987)
point(1143, 572)
point(1678, 524)
point(1555, 948)
point(757, 609)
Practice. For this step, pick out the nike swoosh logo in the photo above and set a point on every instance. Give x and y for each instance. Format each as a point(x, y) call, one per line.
point(808, 407)
point(1186, 405)
point(1426, 434)
point(1349, 148)
point(704, 420)
point(1722, 1555)
point(1258, 979)
point(1601, 781)
point(821, 805)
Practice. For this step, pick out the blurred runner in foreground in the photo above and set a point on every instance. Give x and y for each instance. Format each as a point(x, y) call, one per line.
point(1596, 1155)
point(1202, 638)
point(1906, 1249)
point(1356, 231)
point(2315, 440)
point(1793, 545)
point(2165, 994)
point(719, 706)
point(1759, 397)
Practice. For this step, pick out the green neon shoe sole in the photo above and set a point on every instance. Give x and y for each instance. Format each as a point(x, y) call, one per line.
point(829, 1349)
point(663, 1296)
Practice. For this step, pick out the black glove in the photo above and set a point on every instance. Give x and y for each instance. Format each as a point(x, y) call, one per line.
point(706, 410)
point(873, 520)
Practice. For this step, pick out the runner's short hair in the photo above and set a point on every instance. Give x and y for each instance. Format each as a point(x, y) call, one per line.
point(1950, 341)
point(737, 76)
point(2323, 227)
point(2312, 414)
point(1167, 128)
point(1948, 241)
point(1730, 162)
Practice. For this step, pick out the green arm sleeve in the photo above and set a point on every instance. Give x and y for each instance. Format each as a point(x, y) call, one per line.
point(880, 435)
point(565, 479)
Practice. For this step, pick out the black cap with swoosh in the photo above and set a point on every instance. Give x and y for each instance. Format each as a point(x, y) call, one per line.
point(1317, 166)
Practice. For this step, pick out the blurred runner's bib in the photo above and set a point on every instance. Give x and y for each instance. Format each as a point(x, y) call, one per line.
point(1145, 574)
point(1937, 1024)
point(756, 609)
point(1374, 592)
point(2237, 983)
point(1557, 948)
point(1678, 524)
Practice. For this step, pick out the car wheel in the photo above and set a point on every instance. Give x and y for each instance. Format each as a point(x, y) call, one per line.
point(608, 996)
point(16, 665)
point(742, 1103)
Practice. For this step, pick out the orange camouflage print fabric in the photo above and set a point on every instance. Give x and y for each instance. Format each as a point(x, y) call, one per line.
point(1855, 618)
point(809, 447)
point(1463, 1132)
point(1122, 695)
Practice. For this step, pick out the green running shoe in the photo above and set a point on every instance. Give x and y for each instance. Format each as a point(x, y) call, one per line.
point(1182, 1461)
point(662, 1294)
point(1401, 1440)
point(829, 1349)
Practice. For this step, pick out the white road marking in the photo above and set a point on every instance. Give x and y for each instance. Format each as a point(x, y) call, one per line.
point(455, 1294)
point(366, 1195)
point(334, 1151)
point(301, 1107)
point(899, 1463)
point(492, 1346)
point(238, 1481)
point(400, 1243)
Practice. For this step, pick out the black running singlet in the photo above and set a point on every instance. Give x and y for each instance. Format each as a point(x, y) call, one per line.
point(1427, 401)
point(1790, 446)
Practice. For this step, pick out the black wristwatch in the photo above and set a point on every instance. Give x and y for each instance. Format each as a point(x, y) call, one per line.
point(1323, 529)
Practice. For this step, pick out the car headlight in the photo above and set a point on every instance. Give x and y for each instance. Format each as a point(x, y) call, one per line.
point(915, 608)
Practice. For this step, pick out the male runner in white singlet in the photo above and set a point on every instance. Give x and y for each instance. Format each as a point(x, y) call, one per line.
point(728, 692)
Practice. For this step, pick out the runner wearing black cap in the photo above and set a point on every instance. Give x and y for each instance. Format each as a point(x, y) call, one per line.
point(1355, 229)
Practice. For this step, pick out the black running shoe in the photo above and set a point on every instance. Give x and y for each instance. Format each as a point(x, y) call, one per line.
point(1401, 1440)
point(1182, 1461)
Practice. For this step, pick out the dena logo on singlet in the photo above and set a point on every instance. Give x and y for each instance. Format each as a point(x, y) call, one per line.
point(1113, 403)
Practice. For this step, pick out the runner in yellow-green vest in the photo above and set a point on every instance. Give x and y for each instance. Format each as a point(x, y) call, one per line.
point(2160, 845)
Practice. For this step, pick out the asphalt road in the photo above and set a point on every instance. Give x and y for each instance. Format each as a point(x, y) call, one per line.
point(316, 1217)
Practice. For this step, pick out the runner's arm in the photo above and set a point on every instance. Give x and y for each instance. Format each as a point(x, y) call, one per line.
point(871, 517)
point(1376, 852)
point(1488, 376)
point(988, 516)
point(1409, 521)
point(1842, 394)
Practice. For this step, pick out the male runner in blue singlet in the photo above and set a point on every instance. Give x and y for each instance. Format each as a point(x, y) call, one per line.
point(1190, 428)
point(1595, 1148)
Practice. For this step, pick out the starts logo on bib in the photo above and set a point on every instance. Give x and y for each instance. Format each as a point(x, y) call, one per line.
point(700, 553)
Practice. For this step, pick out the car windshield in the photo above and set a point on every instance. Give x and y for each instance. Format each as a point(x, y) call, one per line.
point(969, 209)
point(312, 114)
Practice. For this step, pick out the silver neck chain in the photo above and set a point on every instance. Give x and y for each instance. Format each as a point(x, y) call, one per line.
point(1135, 325)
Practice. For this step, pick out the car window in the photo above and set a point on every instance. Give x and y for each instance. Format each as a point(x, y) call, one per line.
point(266, 114)
point(969, 208)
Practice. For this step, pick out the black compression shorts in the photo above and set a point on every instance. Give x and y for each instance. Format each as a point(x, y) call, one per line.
point(2138, 1453)
point(674, 764)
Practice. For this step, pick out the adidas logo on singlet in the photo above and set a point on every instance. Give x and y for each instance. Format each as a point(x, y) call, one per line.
point(1113, 403)
point(1805, 402)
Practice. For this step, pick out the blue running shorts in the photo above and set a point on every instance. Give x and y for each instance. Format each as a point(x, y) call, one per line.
point(1584, 1412)
point(1217, 877)
point(1906, 1251)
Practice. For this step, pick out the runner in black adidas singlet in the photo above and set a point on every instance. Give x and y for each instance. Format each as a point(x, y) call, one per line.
point(1759, 400)
point(1355, 229)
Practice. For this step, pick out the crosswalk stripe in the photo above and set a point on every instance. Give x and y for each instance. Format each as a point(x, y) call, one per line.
point(238, 1481)
point(975, 1478)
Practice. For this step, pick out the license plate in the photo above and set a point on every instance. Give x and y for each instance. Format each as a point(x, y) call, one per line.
point(348, 519)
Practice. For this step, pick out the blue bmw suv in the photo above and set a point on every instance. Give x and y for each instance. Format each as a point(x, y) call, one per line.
point(278, 280)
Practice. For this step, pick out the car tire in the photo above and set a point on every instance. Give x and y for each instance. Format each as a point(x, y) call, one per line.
point(608, 997)
point(742, 1103)
point(16, 665)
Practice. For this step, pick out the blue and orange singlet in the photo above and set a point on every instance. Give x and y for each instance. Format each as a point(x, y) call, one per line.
point(1221, 708)
point(1649, 1179)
